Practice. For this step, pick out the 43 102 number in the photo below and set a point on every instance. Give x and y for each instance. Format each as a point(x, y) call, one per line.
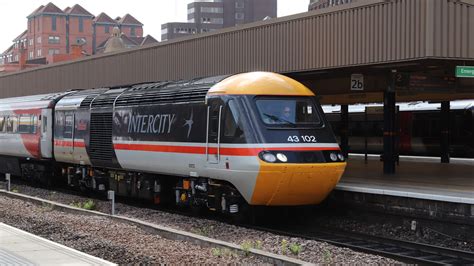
point(304, 138)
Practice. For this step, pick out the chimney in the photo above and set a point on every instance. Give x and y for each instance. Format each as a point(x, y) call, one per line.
point(76, 51)
point(22, 59)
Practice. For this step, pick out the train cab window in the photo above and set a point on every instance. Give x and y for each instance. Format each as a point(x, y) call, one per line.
point(68, 126)
point(294, 112)
point(214, 122)
point(232, 128)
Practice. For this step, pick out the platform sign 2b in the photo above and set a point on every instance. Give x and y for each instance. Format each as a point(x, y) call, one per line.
point(465, 71)
point(357, 82)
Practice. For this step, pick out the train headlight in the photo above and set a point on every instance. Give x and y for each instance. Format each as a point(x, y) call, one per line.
point(282, 157)
point(268, 157)
point(333, 156)
point(340, 156)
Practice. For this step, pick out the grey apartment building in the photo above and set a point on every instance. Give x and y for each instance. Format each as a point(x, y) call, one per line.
point(318, 4)
point(210, 15)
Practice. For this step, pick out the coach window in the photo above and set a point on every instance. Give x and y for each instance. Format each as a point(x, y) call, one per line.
point(45, 123)
point(68, 127)
point(232, 129)
point(24, 125)
point(2, 124)
point(34, 124)
point(59, 125)
point(12, 124)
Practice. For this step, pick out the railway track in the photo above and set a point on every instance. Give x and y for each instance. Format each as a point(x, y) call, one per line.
point(405, 251)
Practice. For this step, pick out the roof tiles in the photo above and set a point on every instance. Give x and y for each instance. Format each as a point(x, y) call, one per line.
point(130, 20)
point(104, 18)
point(79, 10)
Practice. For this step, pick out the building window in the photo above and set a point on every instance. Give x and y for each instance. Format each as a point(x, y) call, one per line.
point(81, 40)
point(31, 42)
point(30, 55)
point(53, 23)
point(15, 46)
point(239, 5)
point(38, 53)
point(164, 31)
point(190, 10)
point(16, 58)
point(212, 10)
point(132, 31)
point(239, 15)
point(53, 39)
point(212, 20)
point(107, 29)
point(38, 24)
point(217, 21)
point(81, 24)
point(38, 40)
point(53, 51)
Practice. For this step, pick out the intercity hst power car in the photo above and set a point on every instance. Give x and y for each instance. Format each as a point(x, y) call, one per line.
point(220, 143)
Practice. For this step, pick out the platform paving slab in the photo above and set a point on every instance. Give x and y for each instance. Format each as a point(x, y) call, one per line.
point(18, 247)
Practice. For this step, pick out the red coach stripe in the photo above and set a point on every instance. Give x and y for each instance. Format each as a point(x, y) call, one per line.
point(68, 143)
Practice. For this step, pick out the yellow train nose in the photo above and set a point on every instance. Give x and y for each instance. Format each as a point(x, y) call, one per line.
point(295, 184)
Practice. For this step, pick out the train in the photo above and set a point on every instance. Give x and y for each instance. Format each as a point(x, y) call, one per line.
point(217, 143)
point(419, 128)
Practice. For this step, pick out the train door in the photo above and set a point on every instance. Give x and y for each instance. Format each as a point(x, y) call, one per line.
point(46, 141)
point(64, 147)
point(213, 139)
point(68, 134)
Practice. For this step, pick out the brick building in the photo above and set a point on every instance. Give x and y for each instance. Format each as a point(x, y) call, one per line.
point(210, 15)
point(52, 34)
point(318, 4)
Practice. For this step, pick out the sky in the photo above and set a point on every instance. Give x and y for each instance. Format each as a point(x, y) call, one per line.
point(151, 13)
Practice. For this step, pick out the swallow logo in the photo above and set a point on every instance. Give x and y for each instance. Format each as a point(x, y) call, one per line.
point(189, 123)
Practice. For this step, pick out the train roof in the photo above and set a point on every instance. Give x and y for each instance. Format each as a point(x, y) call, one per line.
point(30, 102)
point(185, 91)
point(143, 93)
point(260, 83)
point(409, 106)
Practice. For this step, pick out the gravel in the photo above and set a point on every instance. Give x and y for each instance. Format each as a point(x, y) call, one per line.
point(306, 250)
point(114, 241)
point(397, 228)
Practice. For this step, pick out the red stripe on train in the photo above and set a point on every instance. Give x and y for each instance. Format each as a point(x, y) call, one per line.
point(68, 143)
point(202, 150)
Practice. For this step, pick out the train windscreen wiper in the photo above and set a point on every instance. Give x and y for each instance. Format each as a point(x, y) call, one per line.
point(279, 119)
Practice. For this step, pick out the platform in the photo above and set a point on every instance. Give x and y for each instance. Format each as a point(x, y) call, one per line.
point(416, 177)
point(18, 247)
point(421, 185)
